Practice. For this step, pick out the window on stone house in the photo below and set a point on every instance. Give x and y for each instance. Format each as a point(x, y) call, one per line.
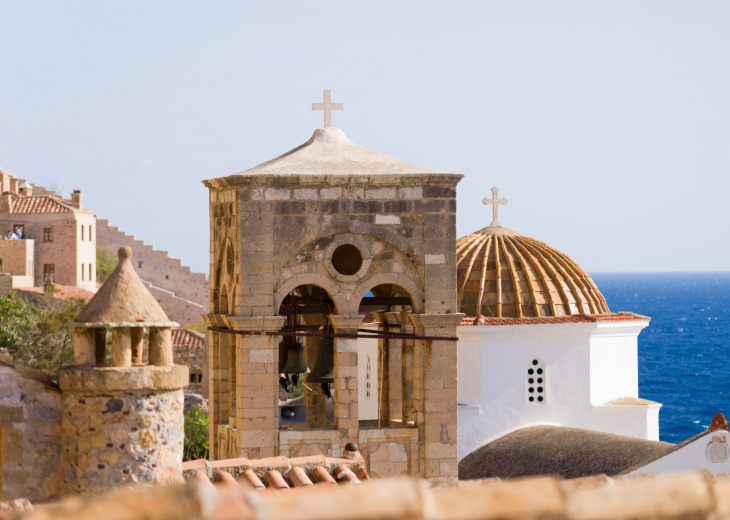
point(48, 234)
point(140, 264)
point(536, 381)
point(49, 272)
point(82, 272)
point(90, 273)
point(89, 232)
point(1, 265)
point(82, 232)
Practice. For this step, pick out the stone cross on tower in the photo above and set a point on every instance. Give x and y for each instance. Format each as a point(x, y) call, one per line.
point(328, 106)
point(495, 201)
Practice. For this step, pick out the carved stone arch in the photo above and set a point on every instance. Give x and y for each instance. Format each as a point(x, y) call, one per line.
point(414, 289)
point(223, 270)
point(223, 306)
point(318, 280)
point(401, 244)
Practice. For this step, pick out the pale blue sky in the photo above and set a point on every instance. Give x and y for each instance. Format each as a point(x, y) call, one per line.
point(606, 124)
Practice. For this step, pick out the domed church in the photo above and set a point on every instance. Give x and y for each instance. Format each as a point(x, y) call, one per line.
point(538, 344)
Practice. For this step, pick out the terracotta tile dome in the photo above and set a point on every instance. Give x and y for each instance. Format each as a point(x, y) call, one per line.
point(534, 279)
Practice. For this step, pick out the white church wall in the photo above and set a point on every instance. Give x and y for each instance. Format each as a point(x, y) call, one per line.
point(614, 361)
point(469, 366)
point(507, 355)
point(640, 420)
point(367, 363)
point(494, 398)
point(708, 451)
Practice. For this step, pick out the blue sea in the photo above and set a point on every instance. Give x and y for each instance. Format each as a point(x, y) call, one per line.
point(684, 353)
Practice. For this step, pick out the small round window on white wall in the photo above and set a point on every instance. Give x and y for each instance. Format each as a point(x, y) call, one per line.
point(536, 381)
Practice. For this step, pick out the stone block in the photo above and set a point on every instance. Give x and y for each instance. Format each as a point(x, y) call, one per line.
point(11, 415)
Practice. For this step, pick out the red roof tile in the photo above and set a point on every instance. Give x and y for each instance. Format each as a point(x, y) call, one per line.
point(42, 204)
point(62, 292)
point(577, 318)
point(188, 338)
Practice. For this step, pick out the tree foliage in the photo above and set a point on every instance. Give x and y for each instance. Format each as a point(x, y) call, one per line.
point(195, 445)
point(105, 264)
point(33, 330)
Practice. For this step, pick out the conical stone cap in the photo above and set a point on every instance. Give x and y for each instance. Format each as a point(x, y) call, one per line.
point(123, 301)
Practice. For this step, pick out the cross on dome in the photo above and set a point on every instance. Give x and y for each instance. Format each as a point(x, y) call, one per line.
point(495, 201)
point(328, 106)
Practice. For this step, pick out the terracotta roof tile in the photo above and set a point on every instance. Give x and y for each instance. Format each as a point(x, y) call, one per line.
point(577, 318)
point(690, 495)
point(269, 472)
point(62, 292)
point(190, 339)
point(506, 275)
point(42, 204)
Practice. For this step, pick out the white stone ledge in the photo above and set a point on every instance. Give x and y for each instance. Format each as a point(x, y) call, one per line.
point(435, 259)
point(388, 219)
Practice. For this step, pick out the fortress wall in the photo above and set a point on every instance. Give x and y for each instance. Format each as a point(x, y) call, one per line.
point(162, 271)
point(178, 309)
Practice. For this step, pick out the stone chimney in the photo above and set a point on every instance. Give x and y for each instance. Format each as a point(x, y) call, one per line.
point(6, 205)
point(76, 199)
point(13, 185)
point(25, 189)
point(127, 423)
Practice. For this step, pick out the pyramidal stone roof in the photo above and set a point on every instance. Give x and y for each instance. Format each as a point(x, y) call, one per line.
point(502, 274)
point(123, 301)
point(329, 151)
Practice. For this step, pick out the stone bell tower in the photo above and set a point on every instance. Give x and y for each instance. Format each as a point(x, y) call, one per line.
point(305, 246)
point(122, 417)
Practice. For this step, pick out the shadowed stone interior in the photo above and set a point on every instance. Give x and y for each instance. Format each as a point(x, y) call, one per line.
point(347, 259)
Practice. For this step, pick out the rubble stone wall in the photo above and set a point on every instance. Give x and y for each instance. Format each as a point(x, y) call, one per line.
point(30, 437)
point(111, 439)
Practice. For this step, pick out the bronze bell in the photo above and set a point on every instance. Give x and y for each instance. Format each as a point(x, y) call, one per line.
point(283, 353)
point(324, 365)
point(295, 362)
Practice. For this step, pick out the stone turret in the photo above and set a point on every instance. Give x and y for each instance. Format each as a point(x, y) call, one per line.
point(122, 418)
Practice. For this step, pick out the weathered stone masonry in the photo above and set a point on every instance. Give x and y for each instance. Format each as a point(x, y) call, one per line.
point(274, 230)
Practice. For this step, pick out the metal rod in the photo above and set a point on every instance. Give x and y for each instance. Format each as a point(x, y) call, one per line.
point(330, 334)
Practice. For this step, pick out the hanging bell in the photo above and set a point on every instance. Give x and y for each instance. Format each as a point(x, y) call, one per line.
point(283, 353)
point(324, 366)
point(295, 362)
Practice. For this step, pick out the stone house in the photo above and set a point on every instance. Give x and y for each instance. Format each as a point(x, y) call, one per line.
point(59, 238)
point(188, 348)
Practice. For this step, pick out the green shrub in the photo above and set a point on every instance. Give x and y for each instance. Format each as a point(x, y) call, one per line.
point(196, 434)
point(33, 331)
point(105, 264)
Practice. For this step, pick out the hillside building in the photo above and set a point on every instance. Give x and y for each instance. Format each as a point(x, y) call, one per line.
point(59, 238)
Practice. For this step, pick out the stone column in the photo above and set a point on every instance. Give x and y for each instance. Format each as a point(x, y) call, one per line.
point(257, 386)
point(121, 425)
point(160, 346)
point(345, 396)
point(122, 347)
point(218, 390)
point(84, 347)
point(436, 406)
